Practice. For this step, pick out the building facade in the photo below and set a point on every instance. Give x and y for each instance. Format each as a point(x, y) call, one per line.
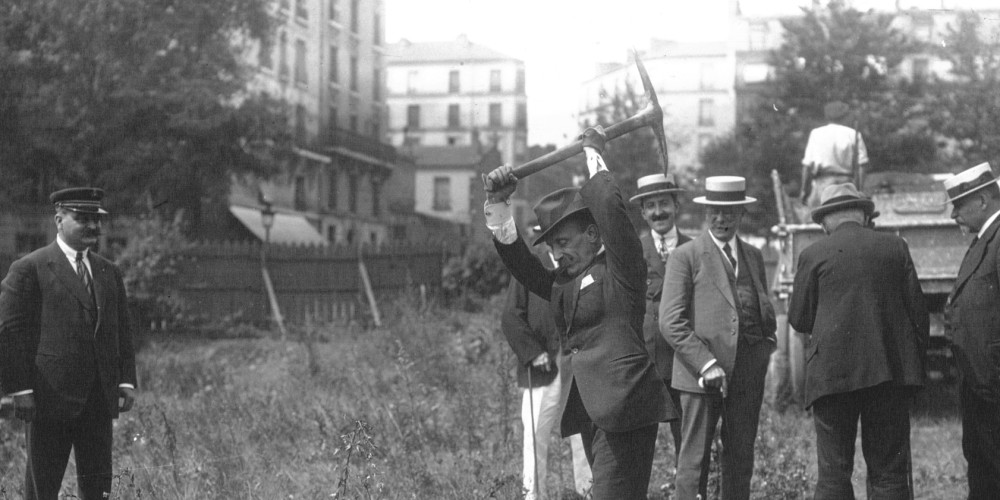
point(456, 93)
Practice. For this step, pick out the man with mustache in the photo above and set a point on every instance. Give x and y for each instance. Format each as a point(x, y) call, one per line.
point(716, 314)
point(657, 196)
point(66, 351)
point(615, 398)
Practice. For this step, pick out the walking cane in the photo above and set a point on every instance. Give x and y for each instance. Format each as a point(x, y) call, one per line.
point(534, 447)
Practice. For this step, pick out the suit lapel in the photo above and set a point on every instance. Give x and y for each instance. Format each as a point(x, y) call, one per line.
point(711, 260)
point(100, 275)
point(974, 257)
point(61, 268)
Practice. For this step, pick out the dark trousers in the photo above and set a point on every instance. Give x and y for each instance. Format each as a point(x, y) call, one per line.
point(884, 411)
point(675, 425)
point(48, 446)
point(981, 444)
point(739, 412)
point(620, 461)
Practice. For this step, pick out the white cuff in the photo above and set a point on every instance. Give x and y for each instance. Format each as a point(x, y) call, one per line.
point(130, 386)
point(706, 367)
point(21, 393)
point(500, 221)
point(595, 162)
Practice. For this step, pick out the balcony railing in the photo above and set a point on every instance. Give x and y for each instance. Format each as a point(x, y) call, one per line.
point(359, 143)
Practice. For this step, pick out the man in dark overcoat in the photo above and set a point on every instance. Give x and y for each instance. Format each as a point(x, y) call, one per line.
point(973, 325)
point(857, 296)
point(66, 351)
point(716, 314)
point(657, 196)
point(616, 398)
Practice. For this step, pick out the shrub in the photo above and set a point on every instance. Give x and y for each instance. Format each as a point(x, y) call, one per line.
point(150, 263)
point(475, 275)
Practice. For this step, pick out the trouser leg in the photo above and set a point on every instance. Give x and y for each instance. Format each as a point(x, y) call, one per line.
point(622, 463)
point(48, 446)
point(583, 479)
point(981, 444)
point(740, 417)
point(700, 413)
point(836, 420)
point(885, 441)
point(92, 449)
point(544, 401)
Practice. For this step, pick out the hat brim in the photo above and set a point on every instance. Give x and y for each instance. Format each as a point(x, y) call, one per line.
point(99, 211)
point(973, 190)
point(657, 192)
point(541, 237)
point(867, 205)
point(702, 200)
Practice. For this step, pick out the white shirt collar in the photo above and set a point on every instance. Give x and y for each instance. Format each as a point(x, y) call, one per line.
point(732, 244)
point(670, 239)
point(71, 254)
point(987, 224)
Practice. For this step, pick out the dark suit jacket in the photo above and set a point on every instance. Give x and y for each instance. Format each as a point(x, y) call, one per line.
point(656, 344)
point(528, 326)
point(856, 292)
point(973, 313)
point(698, 314)
point(601, 323)
point(52, 339)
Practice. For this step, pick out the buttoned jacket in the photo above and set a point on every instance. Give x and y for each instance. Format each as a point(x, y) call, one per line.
point(598, 314)
point(656, 344)
point(698, 311)
point(530, 330)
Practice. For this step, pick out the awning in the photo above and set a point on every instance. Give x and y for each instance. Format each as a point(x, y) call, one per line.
point(287, 228)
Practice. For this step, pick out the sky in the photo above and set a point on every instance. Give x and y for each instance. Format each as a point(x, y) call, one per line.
point(561, 41)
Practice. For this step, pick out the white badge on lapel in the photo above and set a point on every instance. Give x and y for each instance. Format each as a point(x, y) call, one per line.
point(586, 281)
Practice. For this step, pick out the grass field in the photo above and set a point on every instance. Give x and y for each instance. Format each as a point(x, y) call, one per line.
point(422, 408)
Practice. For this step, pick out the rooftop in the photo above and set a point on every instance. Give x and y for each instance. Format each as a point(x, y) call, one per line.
point(460, 49)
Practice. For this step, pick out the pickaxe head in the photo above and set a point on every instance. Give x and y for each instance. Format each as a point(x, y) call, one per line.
point(655, 113)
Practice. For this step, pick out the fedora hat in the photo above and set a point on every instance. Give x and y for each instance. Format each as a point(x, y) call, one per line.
point(555, 207)
point(79, 199)
point(841, 197)
point(725, 190)
point(650, 185)
point(969, 181)
point(836, 110)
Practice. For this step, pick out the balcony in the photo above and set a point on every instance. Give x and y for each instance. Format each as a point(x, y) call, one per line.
point(338, 137)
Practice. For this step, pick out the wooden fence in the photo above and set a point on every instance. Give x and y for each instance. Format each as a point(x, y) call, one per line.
point(311, 283)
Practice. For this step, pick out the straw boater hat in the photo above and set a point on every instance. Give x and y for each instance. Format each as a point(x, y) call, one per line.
point(650, 185)
point(555, 207)
point(725, 190)
point(969, 181)
point(841, 197)
point(83, 199)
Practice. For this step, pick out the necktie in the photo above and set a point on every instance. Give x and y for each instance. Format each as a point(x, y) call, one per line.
point(729, 253)
point(81, 272)
point(664, 252)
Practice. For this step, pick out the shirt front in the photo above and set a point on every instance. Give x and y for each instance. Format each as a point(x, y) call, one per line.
point(732, 247)
point(71, 254)
point(665, 243)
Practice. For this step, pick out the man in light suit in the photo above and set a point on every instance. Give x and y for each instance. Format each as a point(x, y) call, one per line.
point(973, 325)
point(531, 333)
point(66, 351)
point(857, 295)
point(657, 196)
point(616, 398)
point(716, 314)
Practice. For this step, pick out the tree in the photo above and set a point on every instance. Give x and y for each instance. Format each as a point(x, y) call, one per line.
point(144, 98)
point(966, 108)
point(832, 53)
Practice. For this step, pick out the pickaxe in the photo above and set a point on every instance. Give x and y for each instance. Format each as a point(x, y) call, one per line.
point(651, 115)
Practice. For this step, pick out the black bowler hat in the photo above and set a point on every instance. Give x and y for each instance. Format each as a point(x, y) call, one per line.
point(841, 197)
point(555, 207)
point(82, 199)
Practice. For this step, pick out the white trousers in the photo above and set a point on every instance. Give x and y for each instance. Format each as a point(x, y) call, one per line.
point(547, 405)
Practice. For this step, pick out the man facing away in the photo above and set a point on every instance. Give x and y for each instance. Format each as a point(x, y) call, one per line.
point(973, 325)
point(616, 399)
point(716, 314)
point(657, 196)
point(857, 295)
point(530, 331)
point(834, 154)
point(66, 351)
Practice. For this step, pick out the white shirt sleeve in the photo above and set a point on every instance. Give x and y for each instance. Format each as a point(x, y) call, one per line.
point(500, 221)
point(595, 162)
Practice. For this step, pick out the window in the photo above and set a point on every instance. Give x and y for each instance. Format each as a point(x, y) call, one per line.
point(283, 56)
point(707, 76)
point(519, 85)
point(301, 75)
point(496, 114)
point(300, 193)
point(352, 122)
point(411, 82)
point(706, 112)
point(377, 35)
point(454, 84)
point(334, 67)
point(354, 72)
point(301, 10)
point(413, 116)
point(377, 84)
point(332, 190)
point(522, 115)
point(300, 123)
point(758, 36)
point(352, 193)
point(923, 29)
point(452, 141)
point(334, 10)
point(495, 80)
point(331, 234)
point(453, 116)
point(376, 198)
point(333, 119)
point(264, 57)
point(442, 194)
point(355, 15)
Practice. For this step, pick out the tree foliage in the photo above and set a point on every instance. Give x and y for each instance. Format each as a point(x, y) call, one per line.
point(145, 98)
